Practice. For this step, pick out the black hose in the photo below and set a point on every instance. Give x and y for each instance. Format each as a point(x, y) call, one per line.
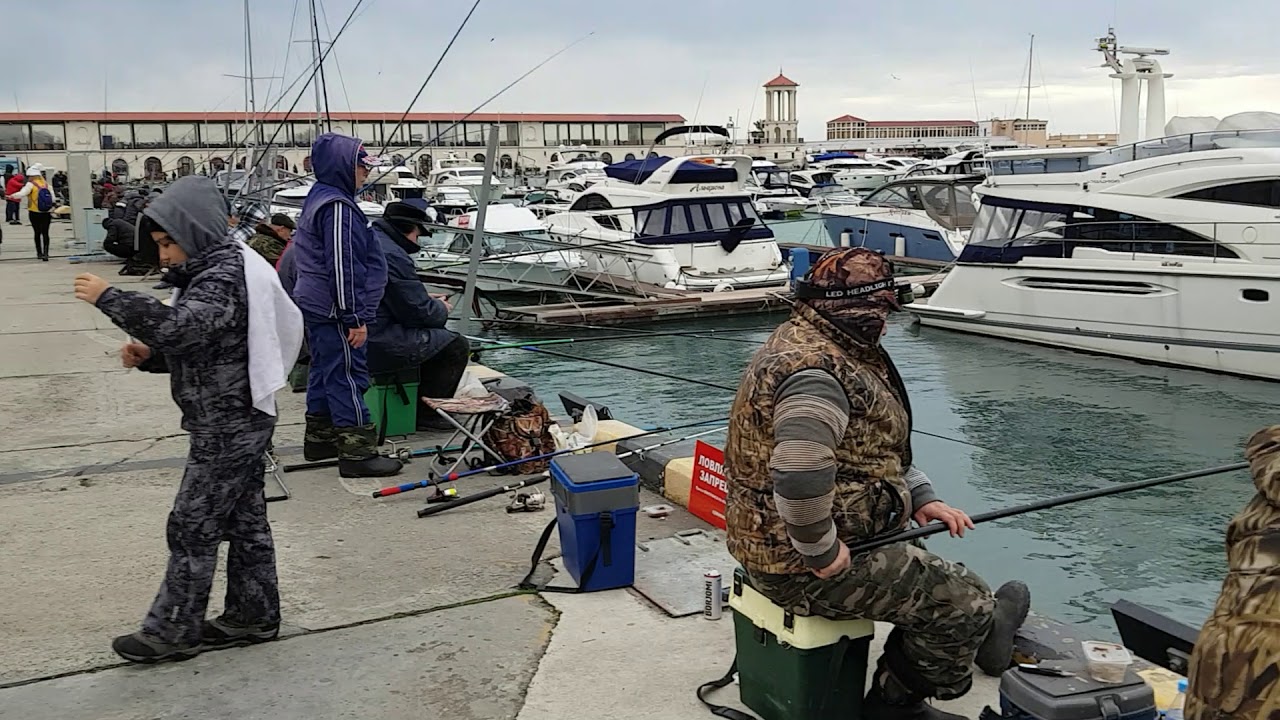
point(935, 528)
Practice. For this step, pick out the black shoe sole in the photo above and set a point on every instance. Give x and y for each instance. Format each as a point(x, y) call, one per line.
point(348, 473)
point(175, 656)
point(238, 641)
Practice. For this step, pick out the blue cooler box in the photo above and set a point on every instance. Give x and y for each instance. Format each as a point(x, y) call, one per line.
point(597, 497)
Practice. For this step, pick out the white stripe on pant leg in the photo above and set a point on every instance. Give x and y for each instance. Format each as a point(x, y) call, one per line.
point(355, 391)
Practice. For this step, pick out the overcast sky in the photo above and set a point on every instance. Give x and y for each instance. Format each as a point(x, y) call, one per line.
point(704, 59)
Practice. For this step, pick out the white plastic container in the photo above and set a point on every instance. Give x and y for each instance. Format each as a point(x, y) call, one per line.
point(1107, 661)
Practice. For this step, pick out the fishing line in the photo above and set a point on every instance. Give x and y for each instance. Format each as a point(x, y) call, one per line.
point(625, 333)
point(430, 75)
point(431, 144)
point(705, 383)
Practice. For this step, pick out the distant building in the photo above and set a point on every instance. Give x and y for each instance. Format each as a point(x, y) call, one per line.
point(1083, 140)
point(1026, 132)
point(157, 145)
point(777, 136)
point(848, 127)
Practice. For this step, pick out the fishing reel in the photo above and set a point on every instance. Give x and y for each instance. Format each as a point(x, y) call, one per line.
point(527, 502)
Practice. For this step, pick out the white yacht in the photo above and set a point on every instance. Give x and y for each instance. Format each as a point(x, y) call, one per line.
point(289, 202)
point(926, 217)
point(452, 200)
point(581, 165)
point(517, 256)
point(855, 173)
point(1164, 251)
point(460, 172)
point(685, 222)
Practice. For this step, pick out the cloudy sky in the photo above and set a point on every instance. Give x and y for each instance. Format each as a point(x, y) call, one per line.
point(704, 59)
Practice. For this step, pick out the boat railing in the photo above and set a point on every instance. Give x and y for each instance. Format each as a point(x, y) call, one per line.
point(1197, 241)
point(1179, 144)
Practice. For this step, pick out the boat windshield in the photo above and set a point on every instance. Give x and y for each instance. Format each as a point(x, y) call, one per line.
point(700, 216)
point(948, 204)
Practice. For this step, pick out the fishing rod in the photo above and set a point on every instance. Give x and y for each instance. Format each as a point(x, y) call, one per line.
point(406, 487)
point(542, 477)
point(566, 341)
point(459, 121)
point(580, 326)
point(430, 75)
point(704, 383)
point(935, 528)
point(403, 455)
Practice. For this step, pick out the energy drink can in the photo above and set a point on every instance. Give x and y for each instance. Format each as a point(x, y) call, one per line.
point(711, 595)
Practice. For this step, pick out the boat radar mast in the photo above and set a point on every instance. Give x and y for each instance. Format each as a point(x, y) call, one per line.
point(1132, 72)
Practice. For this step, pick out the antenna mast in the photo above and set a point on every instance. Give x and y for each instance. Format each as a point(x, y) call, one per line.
point(1026, 125)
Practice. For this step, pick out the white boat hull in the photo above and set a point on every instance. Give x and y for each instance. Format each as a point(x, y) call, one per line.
point(1195, 316)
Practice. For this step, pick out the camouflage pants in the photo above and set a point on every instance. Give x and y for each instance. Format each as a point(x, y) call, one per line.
point(221, 497)
point(942, 611)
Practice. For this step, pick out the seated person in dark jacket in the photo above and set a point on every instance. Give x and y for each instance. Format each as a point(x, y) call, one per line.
point(410, 327)
point(120, 240)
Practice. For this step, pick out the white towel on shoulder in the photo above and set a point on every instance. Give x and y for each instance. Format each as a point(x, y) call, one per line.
point(275, 330)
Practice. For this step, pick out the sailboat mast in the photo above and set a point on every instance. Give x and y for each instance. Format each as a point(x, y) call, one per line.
point(315, 55)
point(1026, 125)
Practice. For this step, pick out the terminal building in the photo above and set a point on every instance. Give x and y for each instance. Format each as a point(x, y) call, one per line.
point(159, 145)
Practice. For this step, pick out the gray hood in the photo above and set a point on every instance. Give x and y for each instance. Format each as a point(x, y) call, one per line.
point(192, 212)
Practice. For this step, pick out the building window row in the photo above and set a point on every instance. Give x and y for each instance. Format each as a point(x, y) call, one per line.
point(902, 132)
point(32, 136)
point(134, 136)
point(573, 134)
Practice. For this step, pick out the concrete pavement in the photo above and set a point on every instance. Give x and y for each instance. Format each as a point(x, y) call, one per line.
point(387, 616)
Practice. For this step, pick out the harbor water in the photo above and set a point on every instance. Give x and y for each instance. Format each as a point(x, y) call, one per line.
point(1020, 423)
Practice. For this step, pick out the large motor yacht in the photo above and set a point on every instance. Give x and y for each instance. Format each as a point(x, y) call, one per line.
point(1164, 251)
point(926, 217)
point(685, 222)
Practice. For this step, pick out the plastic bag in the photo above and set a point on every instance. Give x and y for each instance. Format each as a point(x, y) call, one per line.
point(583, 433)
point(470, 386)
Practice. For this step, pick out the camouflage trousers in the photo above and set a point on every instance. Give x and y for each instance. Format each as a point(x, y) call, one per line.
point(221, 497)
point(942, 612)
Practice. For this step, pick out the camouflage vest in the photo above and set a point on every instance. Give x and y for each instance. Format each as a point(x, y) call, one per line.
point(871, 496)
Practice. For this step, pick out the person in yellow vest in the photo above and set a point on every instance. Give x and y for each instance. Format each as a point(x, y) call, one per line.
point(40, 204)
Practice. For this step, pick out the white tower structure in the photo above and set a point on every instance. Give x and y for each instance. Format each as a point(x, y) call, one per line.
point(1132, 72)
point(780, 124)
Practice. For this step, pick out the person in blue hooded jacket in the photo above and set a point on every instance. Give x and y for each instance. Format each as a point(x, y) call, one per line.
point(341, 275)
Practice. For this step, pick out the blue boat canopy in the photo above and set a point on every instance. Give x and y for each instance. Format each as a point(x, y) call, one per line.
point(834, 156)
point(637, 171)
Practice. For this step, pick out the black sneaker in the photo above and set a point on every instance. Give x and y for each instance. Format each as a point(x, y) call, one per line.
point(222, 633)
point(142, 648)
point(1013, 603)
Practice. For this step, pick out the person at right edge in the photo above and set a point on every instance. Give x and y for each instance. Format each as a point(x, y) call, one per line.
point(341, 275)
point(819, 458)
point(1235, 666)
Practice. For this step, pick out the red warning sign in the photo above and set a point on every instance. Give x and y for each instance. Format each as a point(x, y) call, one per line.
point(706, 498)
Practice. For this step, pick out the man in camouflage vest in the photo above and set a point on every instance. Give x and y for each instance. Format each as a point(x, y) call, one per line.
point(1235, 667)
point(819, 458)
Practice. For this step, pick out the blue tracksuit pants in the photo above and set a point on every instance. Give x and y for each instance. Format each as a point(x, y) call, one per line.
point(339, 374)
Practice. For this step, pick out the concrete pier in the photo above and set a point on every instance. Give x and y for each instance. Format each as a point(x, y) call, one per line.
point(387, 616)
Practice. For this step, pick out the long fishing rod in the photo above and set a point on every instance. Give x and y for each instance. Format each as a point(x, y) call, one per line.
point(935, 528)
point(430, 75)
point(485, 494)
point(581, 326)
point(571, 340)
point(406, 487)
point(432, 143)
point(717, 386)
point(320, 464)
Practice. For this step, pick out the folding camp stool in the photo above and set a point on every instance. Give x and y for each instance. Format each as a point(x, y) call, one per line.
point(477, 414)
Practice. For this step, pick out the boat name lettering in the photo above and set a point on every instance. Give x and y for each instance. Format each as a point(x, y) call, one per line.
point(700, 188)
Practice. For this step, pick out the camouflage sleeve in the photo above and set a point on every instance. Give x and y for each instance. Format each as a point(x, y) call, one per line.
point(921, 488)
point(200, 314)
point(811, 413)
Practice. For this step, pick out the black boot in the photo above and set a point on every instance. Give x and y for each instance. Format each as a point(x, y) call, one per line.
point(1013, 602)
point(319, 441)
point(358, 454)
point(877, 707)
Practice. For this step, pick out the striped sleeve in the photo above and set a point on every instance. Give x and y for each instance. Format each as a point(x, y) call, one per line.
point(339, 236)
point(921, 488)
point(811, 413)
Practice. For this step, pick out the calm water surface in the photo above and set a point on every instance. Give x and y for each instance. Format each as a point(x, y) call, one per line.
point(1026, 423)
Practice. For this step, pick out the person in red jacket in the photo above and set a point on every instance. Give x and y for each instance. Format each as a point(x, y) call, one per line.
point(13, 182)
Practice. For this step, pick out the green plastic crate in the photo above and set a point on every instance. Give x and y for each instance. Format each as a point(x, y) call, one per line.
point(797, 668)
point(399, 397)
